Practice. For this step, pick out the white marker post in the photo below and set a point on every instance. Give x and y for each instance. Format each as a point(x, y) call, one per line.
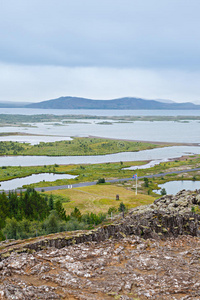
point(135, 177)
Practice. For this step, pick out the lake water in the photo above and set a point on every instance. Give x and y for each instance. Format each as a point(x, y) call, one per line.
point(162, 131)
point(148, 165)
point(19, 182)
point(159, 131)
point(152, 154)
point(33, 140)
point(100, 112)
point(173, 187)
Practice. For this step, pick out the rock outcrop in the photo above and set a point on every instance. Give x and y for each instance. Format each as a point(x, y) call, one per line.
point(168, 216)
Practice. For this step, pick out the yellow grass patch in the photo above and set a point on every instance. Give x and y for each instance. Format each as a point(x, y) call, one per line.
point(99, 198)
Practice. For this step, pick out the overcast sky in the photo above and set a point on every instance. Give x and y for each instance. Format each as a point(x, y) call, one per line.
point(100, 49)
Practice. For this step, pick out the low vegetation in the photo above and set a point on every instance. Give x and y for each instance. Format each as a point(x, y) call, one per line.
point(77, 146)
point(16, 120)
point(85, 172)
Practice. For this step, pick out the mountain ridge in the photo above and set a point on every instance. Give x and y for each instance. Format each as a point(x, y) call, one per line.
point(125, 103)
point(12, 104)
point(69, 102)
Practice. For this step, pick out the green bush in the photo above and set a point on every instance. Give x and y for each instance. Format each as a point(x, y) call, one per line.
point(101, 180)
point(112, 210)
point(163, 192)
point(2, 236)
point(122, 207)
point(146, 182)
point(53, 223)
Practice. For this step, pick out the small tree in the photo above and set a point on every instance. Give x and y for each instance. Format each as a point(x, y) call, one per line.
point(50, 203)
point(101, 180)
point(11, 229)
point(60, 210)
point(146, 182)
point(194, 178)
point(76, 214)
point(2, 236)
point(163, 192)
point(51, 224)
point(122, 207)
point(112, 209)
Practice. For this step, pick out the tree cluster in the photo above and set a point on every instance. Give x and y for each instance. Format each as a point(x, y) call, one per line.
point(32, 214)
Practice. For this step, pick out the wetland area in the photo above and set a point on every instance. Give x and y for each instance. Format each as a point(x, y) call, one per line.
point(84, 143)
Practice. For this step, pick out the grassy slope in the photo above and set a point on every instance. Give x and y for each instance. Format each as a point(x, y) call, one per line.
point(100, 198)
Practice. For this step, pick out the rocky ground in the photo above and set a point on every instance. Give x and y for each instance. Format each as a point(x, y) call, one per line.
point(120, 265)
point(129, 268)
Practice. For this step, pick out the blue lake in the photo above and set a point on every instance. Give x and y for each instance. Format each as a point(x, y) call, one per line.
point(100, 112)
point(152, 154)
point(158, 131)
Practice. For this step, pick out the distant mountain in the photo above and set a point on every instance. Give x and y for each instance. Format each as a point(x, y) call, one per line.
point(9, 104)
point(121, 103)
point(165, 100)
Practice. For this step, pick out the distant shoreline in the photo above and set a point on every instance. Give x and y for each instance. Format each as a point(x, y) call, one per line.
point(149, 142)
point(165, 144)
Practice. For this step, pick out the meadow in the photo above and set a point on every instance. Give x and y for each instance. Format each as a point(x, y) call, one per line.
point(99, 198)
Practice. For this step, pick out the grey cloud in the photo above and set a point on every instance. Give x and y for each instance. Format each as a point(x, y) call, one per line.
point(37, 83)
point(106, 33)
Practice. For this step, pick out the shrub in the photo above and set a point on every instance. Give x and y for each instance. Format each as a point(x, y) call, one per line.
point(163, 192)
point(101, 180)
point(53, 223)
point(122, 207)
point(146, 182)
point(194, 178)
